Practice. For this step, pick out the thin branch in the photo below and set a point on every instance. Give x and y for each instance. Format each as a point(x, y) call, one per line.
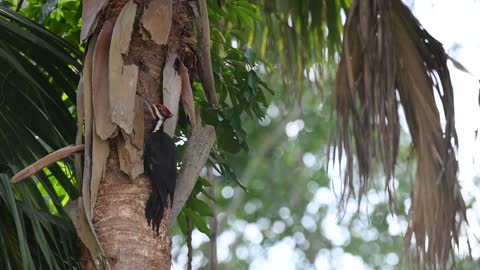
point(212, 255)
point(189, 243)
point(205, 59)
point(19, 6)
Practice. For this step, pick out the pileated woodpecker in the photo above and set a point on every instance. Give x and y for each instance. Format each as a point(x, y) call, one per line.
point(160, 164)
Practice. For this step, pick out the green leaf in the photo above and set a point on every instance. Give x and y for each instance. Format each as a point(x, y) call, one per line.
point(198, 221)
point(252, 81)
point(182, 222)
point(251, 56)
point(203, 182)
point(200, 207)
point(206, 194)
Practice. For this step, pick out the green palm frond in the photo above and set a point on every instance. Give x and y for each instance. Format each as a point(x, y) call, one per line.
point(30, 237)
point(303, 36)
point(300, 39)
point(38, 78)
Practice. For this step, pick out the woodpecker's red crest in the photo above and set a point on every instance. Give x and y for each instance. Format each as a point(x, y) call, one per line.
point(157, 110)
point(164, 111)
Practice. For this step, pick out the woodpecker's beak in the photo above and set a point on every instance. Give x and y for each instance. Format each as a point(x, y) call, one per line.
point(145, 100)
point(151, 107)
point(158, 111)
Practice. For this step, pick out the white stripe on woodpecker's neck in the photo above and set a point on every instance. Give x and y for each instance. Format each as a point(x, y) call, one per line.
point(159, 124)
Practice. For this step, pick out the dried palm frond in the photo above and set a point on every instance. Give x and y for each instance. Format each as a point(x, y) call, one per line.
point(390, 60)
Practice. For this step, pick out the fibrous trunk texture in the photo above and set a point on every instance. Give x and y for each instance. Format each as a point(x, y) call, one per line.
point(119, 220)
point(128, 48)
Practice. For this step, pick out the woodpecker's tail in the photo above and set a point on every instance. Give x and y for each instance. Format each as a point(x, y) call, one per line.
point(154, 210)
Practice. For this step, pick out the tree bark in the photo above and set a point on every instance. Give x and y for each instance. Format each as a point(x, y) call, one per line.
point(124, 234)
point(118, 216)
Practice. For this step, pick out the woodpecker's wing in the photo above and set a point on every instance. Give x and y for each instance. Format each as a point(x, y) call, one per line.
point(162, 164)
point(147, 159)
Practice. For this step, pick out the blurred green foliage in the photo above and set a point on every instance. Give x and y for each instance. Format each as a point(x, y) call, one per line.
point(62, 17)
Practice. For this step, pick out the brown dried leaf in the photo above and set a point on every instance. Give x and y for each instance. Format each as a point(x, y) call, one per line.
point(101, 99)
point(122, 79)
point(403, 60)
point(157, 20)
point(129, 156)
point(172, 87)
point(187, 94)
point(125, 95)
point(435, 207)
point(90, 12)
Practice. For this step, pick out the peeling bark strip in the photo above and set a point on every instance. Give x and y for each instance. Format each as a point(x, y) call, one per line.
point(83, 217)
point(101, 98)
point(187, 95)
point(88, 120)
point(172, 87)
point(122, 78)
point(90, 14)
point(196, 153)
point(79, 136)
point(405, 61)
point(157, 20)
point(75, 211)
point(99, 158)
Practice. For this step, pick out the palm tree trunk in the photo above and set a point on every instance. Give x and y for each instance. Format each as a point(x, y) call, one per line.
point(120, 223)
point(158, 29)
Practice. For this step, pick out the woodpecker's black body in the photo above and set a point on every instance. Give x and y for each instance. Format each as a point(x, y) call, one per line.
point(161, 166)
